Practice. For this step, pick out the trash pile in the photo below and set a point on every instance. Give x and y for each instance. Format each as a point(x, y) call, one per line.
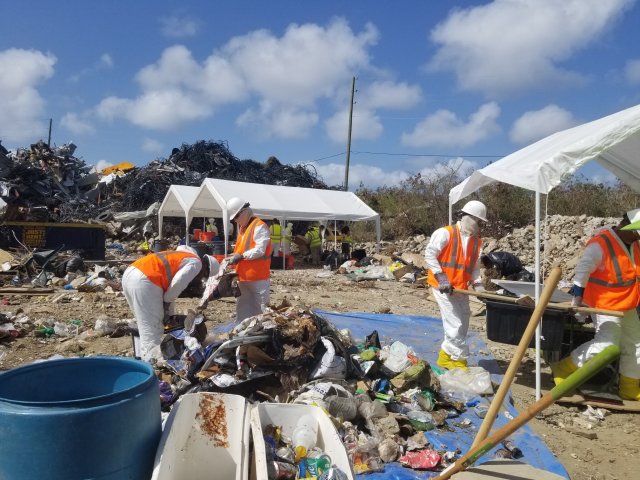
point(50, 184)
point(380, 397)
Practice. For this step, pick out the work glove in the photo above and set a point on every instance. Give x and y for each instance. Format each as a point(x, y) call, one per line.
point(477, 287)
point(235, 259)
point(577, 293)
point(444, 286)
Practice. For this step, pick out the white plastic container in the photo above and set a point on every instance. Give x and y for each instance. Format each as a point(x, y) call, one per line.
point(305, 435)
point(287, 416)
point(206, 436)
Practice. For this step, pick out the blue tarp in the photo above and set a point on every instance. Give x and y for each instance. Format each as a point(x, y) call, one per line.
point(424, 335)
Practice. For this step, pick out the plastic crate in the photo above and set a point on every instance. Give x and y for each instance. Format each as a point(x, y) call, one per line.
point(507, 322)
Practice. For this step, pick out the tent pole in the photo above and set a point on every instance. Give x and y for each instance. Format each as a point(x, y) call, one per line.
point(537, 293)
point(335, 235)
point(284, 254)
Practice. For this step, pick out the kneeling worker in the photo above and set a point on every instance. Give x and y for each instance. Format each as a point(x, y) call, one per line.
point(152, 283)
point(252, 259)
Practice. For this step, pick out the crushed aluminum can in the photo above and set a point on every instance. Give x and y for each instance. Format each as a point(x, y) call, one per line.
point(333, 473)
point(286, 454)
point(503, 453)
point(281, 471)
point(515, 451)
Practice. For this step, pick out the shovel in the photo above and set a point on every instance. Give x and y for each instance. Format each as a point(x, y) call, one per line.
point(574, 380)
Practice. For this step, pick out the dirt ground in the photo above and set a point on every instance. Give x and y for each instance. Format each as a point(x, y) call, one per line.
point(612, 454)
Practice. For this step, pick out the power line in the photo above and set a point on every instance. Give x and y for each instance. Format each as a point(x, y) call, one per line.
point(325, 158)
point(428, 155)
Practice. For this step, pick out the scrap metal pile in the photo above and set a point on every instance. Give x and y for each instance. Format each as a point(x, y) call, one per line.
point(381, 397)
point(50, 184)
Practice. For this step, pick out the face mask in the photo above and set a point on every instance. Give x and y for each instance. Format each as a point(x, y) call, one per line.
point(469, 225)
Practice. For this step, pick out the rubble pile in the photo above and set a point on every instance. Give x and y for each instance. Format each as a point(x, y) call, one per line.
point(191, 164)
point(379, 396)
point(50, 184)
point(562, 240)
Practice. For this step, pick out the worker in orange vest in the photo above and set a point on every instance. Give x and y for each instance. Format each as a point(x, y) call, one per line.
point(607, 276)
point(151, 285)
point(452, 257)
point(252, 259)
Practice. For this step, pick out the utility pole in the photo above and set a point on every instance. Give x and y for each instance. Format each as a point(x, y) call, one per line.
point(49, 140)
point(346, 170)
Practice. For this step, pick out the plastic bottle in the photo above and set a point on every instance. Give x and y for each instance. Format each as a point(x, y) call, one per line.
point(305, 435)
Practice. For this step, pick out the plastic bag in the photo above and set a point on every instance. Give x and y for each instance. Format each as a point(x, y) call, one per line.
point(330, 365)
point(465, 384)
point(398, 360)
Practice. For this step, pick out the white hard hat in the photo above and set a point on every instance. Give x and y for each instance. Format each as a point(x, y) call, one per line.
point(476, 209)
point(234, 206)
point(634, 220)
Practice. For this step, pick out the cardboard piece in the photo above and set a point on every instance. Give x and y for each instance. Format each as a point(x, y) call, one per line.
point(415, 259)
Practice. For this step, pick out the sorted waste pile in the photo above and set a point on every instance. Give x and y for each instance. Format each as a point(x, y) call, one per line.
point(50, 184)
point(381, 398)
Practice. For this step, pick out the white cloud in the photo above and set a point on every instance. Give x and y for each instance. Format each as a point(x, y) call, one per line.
point(152, 146)
point(391, 95)
point(77, 123)
point(22, 106)
point(366, 125)
point(178, 27)
point(285, 76)
point(106, 61)
point(632, 71)
point(537, 124)
point(102, 164)
point(508, 46)
point(369, 175)
point(445, 129)
point(373, 176)
point(280, 121)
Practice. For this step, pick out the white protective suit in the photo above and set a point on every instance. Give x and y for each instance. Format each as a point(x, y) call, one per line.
point(454, 308)
point(147, 300)
point(623, 332)
point(254, 296)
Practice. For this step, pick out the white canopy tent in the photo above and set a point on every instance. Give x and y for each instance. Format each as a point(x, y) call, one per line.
point(267, 201)
point(612, 141)
point(177, 203)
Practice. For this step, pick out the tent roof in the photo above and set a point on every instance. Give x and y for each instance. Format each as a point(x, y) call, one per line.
point(613, 141)
point(273, 201)
point(178, 201)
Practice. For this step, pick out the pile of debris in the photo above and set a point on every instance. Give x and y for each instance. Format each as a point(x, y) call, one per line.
point(383, 397)
point(50, 184)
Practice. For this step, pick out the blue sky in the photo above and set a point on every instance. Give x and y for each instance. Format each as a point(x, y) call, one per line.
point(438, 82)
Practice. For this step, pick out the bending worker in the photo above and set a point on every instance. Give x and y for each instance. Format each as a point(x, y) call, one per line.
point(251, 257)
point(452, 257)
point(151, 285)
point(607, 276)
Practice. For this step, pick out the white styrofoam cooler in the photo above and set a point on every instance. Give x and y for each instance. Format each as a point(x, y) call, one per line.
point(203, 445)
point(286, 415)
point(206, 436)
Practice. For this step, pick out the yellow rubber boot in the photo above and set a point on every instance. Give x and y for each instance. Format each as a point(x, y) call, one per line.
point(459, 364)
point(563, 369)
point(444, 360)
point(629, 388)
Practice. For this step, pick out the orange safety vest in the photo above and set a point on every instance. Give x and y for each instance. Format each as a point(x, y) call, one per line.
point(252, 269)
point(161, 267)
point(617, 285)
point(453, 262)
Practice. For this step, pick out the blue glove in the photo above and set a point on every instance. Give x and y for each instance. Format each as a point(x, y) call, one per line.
point(236, 258)
point(444, 286)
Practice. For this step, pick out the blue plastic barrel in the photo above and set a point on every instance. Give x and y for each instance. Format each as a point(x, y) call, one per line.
point(79, 418)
